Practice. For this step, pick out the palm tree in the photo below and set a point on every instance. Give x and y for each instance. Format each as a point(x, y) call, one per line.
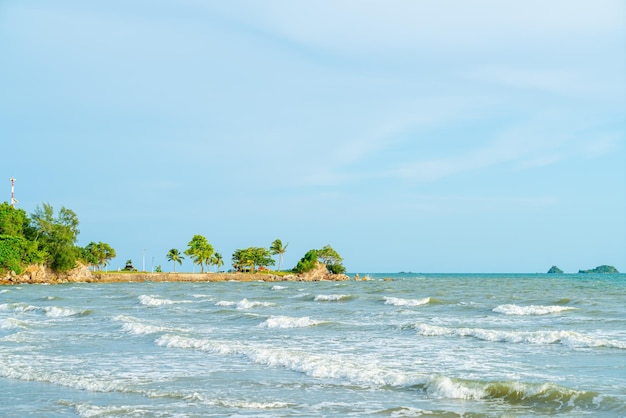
point(175, 256)
point(278, 248)
point(199, 250)
point(217, 260)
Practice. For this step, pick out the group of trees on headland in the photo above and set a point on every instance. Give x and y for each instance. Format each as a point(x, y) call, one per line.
point(46, 238)
point(252, 259)
point(49, 238)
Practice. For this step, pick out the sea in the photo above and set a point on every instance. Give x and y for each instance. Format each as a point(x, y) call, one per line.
point(394, 345)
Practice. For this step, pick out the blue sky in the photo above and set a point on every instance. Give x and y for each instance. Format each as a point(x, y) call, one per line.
point(425, 136)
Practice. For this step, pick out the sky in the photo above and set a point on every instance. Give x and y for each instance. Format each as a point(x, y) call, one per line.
point(424, 136)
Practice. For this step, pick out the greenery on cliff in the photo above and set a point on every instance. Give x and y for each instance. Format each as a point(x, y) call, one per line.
point(49, 238)
point(45, 238)
point(601, 269)
point(326, 255)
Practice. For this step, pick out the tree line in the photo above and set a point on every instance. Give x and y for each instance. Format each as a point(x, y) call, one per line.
point(49, 238)
point(253, 259)
point(45, 238)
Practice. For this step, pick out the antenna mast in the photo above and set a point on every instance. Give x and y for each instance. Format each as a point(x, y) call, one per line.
point(13, 199)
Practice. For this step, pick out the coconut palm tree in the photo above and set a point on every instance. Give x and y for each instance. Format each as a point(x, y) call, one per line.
point(175, 256)
point(278, 248)
point(199, 250)
point(217, 260)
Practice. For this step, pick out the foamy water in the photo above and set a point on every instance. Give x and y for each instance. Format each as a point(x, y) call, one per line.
point(439, 345)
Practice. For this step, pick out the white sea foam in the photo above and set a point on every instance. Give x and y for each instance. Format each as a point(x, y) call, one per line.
point(148, 300)
point(18, 307)
point(331, 298)
point(530, 310)
point(49, 311)
point(225, 303)
point(367, 372)
point(57, 312)
point(246, 304)
point(253, 405)
point(138, 327)
point(389, 300)
point(288, 322)
point(568, 338)
point(278, 287)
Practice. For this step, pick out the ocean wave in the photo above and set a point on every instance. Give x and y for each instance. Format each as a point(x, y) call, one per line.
point(284, 322)
point(49, 311)
point(18, 307)
point(135, 326)
point(331, 298)
point(11, 323)
point(245, 304)
point(390, 300)
point(370, 373)
point(58, 312)
point(147, 300)
point(530, 310)
point(567, 338)
point(278, 287)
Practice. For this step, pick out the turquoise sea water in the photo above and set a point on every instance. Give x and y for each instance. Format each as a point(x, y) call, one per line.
point(398, 345)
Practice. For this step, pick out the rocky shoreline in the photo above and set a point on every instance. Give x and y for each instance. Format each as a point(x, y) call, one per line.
point(41, 275)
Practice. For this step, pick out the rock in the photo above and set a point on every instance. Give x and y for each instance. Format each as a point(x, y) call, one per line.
point(601, 269)
point(320, 272)
point(555, 270)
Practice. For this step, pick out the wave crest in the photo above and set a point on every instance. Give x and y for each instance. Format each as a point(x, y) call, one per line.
point(530, 310)
point(568, 338)
point(284, 322)
point(390, 300)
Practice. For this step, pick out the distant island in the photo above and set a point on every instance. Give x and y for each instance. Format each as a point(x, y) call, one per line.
point(601, 269)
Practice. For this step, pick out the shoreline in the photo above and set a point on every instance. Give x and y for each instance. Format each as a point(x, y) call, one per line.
point(41, 275)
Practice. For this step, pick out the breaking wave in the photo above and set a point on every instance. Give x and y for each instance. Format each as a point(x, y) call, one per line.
point(147, 300)
point(530, 310)
point(135, 326)
point(284, 322)
point(331, 298)
point(245, 304)
point(551, 397)
point(49, 311)
point(389, 300)
point(568, 338)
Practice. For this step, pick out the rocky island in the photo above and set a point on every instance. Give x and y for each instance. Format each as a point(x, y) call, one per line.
point(601, 269)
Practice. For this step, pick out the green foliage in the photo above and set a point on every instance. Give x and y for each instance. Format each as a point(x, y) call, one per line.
point(11, 250)
point(98, 254)
point(200, 251)
point(217, 260)
point(13, 222)
point(277, 247)
point(175, 256)
point(129, 266)
point(326, 255)
point(246, 259)
point(56, 236)
point(307, 263)
point(336, 268)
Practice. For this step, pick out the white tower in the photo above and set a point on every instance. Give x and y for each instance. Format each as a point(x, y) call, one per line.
point(13, 199)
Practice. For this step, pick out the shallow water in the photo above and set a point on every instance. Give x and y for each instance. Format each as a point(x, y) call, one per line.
point(397, 345)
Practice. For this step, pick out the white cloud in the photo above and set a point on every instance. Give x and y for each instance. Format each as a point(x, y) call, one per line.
point(352, 25)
